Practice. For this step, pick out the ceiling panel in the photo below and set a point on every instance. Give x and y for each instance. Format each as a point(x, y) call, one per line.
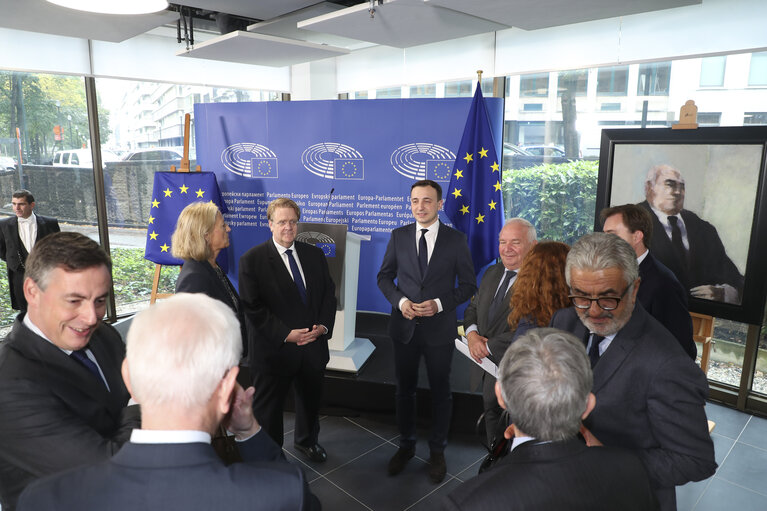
point(531, 15)
point(285, 26)
point(259, 49)
point(41, 16)
point(256, 9)
point(400, 23)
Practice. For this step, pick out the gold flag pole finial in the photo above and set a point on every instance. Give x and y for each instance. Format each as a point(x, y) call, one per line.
point(479, 75)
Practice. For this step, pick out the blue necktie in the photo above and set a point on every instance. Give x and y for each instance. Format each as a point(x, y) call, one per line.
point(495, 305)
point(423, 253)
point(297, 275)
point(82, 357)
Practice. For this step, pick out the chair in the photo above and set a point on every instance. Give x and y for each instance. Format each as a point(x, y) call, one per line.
point(703, 332)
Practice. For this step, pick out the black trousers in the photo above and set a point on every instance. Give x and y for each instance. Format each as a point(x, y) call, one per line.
point(438, 359)
point(269, 402)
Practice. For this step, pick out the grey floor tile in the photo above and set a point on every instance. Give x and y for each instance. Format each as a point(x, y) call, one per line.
point(461, 453)
point(470, 471)
point(343, 441)
point(688, 495)
point(722, 447)
point(723, 495)
point(745, 466)
point(755, 433)
point(288, 422)
point(365, 478)
point(387, 430)
point(334, 498)
point(729, 422)
point(434, 499)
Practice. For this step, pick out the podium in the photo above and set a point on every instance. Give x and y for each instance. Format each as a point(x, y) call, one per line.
point(347, 352)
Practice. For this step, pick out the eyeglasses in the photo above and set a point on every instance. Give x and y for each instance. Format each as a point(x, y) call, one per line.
point(283, 223)
point(607, 303)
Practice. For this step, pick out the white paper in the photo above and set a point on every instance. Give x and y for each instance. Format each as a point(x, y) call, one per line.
point(462, 345)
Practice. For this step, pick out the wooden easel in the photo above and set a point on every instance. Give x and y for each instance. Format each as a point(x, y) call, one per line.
point(183, 167)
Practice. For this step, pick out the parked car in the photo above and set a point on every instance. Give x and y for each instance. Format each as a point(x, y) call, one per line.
point(515, 157)
point(81, 158)
point(7, 163)
point(153, 155)
point(544, 150)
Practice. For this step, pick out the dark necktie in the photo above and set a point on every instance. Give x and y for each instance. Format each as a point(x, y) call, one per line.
point(676, 240)
point(423, 253)
point(83, 359)
point(296, 275)
point(594, 349)
point(495, 305)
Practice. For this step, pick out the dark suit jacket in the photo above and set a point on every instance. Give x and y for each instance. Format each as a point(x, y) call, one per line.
point(13, 252)
point(273, 307)
point(53, 413)
point(661, 294)
point(201, 277)
point(709, 263)
point(477, 311)
point(650, 398)
point(450, 259)
point(558, 475)
point(166, 477)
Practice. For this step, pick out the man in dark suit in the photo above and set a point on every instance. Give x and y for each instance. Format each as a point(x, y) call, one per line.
point(650, 395)
point(17, 237)
point(62, 401)
point(660, 294)
point(290, 308)
point(177, 352)
point(486, 316)
point(688, 245)
point(425, 258)
point(544, 381)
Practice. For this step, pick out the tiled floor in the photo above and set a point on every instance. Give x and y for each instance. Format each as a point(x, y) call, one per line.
point(354, 476)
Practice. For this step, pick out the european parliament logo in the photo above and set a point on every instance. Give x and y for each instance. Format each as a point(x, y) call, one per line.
point(319, 240)
point(329, 249)
point(439, 170)
point(423, 160)
point(332, 160)
point(250, 160)
point(349, 168)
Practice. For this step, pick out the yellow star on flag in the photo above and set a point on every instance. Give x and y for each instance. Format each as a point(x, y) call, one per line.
point(468, 157)
point(480, 218)
point(184, 188)
point(456, 193)
point(458, 174)
point(164, 247)
point(483, 153)
point(168, 192)
point(464, 209)
point(492, 204)
point(153, 235)
point(200, 192)
point(155, 203)
point(497, 186)
point(494, 166)
point(151, 219)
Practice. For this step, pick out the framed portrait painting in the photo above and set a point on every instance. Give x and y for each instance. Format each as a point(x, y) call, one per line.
point(704, 189)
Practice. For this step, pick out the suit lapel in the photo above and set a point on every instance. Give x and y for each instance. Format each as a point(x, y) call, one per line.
point(439, 246)
point(411, 248)
point(282, 274)
point(622, 345)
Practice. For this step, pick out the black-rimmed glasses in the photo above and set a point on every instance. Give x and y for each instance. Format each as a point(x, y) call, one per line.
point(607, 303)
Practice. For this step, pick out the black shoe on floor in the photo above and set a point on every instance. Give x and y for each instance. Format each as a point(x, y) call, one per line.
point(437, 468)
point(314, 452)
point(399, 460)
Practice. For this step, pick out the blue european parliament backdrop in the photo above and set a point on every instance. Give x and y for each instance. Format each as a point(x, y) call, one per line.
point(368, 152)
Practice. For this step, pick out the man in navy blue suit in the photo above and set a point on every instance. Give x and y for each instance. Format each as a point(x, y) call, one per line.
point(181, 366)
point(661, 294)
point(425, 258)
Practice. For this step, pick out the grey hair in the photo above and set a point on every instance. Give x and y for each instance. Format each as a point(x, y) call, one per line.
point(179, 349)
point(601, 251)
point(545, 379)
point(532, 235)
point(652, 174)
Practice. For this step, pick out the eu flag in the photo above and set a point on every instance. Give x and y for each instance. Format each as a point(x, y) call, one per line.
point(473, 202)
point(172, 192)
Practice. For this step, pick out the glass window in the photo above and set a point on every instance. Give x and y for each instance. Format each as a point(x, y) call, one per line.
point(709, 118)
point(575, 80)
point(757, 74)
point(654, 79)
point(458, 89)
point(712, 71)
point(755, 118)
point(361, 94)
point(392, 92)
point(424, 91)
point(534, 85)
point(612, 81)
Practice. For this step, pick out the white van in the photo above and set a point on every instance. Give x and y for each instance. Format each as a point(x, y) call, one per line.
point(80, 158)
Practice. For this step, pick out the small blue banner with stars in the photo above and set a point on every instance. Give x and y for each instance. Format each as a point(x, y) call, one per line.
point(473, 201)
point(171, 193)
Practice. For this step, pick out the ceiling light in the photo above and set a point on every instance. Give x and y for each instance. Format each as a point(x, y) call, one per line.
point(114, 6)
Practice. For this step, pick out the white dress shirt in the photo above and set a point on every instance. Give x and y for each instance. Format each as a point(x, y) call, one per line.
point(28, 231)
point(282, 251)
point(431, 240)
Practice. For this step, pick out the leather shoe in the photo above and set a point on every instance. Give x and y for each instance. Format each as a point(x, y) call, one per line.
point(313, 452)
point(437, 468)
point(399, 460)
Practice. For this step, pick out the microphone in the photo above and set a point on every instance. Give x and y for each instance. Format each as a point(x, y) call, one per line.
point(328, 204)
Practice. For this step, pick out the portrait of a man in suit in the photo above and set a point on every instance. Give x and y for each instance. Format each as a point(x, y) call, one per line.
point(18, 234)
point(289, 304)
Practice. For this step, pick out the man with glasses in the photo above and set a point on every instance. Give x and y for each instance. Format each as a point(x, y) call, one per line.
point(650, 395)
point(686, 243)
point(290, 307)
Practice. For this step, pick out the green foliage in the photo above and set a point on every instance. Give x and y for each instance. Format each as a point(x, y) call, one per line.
point(6, 313)
point(133, 275)
point(559, 199)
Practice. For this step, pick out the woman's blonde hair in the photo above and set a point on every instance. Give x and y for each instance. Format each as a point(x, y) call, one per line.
point(194, 223)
